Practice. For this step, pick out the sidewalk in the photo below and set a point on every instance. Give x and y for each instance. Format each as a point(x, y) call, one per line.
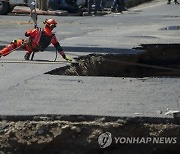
point(26, 10)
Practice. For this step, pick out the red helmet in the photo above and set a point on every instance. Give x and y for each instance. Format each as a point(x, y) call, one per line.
point(50, 23)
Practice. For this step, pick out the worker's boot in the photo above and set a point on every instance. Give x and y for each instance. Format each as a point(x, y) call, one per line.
point(27, 56)
point(176, 2)
point(169, 2)
point(6, 50)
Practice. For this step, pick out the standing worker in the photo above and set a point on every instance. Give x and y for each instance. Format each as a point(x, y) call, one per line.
point(90, 2)
point(117, 4)
point(102, 4)
point(38, 40)
point(97, 6)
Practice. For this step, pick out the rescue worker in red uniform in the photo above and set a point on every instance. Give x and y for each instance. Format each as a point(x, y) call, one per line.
point(39, 39)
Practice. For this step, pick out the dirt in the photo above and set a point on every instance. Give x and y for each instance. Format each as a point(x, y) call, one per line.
point(79, 135)
point(156, 60)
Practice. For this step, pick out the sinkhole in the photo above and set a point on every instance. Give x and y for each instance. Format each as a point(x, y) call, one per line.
point(171, 28)
point(155, 60)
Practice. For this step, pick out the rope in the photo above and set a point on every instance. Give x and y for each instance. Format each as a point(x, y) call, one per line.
point(34, 62)
point(56, 56)
point(32, 55)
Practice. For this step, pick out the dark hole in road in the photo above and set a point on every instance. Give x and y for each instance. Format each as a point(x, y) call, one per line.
point(171, 28)
point(155, 60)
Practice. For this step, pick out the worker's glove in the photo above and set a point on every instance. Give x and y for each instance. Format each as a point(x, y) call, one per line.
point(64, 56)
point(14, 41)
point(27, 34)
point(67, 58)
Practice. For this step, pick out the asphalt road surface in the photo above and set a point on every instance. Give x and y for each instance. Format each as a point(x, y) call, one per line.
point(26, 90)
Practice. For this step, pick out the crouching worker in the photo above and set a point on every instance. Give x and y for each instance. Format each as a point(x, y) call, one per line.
point(38, 40)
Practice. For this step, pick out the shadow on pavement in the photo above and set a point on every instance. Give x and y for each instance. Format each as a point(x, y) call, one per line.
point(97, 50)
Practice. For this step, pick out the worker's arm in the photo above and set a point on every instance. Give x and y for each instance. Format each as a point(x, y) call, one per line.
point(59, 48)
point(31, 32)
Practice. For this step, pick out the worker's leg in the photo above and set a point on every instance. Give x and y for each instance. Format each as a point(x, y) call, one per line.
point(119, 3)
point(97, 6)
point(176, 2)
point(28, 52)
point(90, 2)
point(169, 2)
point(113, 6)
point(12, 46)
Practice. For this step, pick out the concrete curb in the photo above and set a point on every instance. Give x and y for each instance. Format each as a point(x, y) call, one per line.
point(40, 12)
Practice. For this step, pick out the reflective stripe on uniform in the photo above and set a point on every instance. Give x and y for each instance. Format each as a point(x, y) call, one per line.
point(10, 47)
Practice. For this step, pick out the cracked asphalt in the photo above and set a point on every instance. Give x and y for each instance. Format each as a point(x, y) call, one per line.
point(26, 90)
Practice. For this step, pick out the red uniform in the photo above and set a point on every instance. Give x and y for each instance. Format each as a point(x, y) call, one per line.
point(39, 39)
